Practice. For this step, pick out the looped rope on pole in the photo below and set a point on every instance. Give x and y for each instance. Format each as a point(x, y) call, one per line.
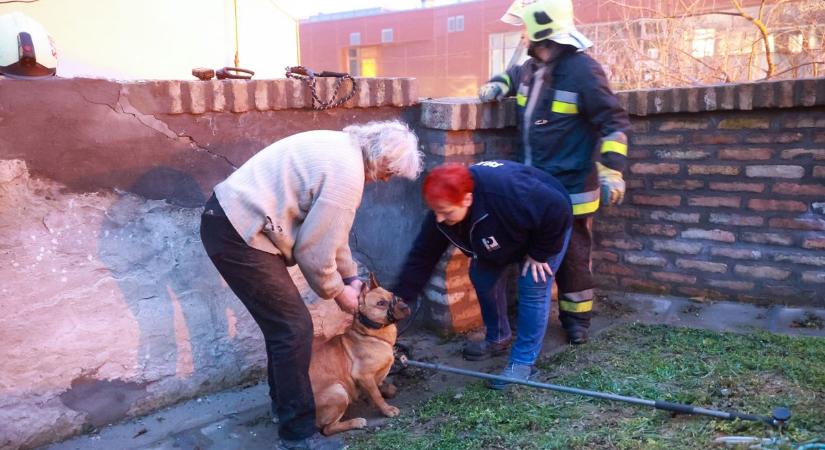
point(308, 76)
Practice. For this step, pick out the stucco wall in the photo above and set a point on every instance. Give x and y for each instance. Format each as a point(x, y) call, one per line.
point(111, 307)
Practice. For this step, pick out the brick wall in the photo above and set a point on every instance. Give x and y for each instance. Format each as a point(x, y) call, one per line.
point(726, 189)
point(723, 205)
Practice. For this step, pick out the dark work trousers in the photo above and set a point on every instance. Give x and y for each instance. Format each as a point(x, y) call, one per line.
point(575, 279)
point(262, 283)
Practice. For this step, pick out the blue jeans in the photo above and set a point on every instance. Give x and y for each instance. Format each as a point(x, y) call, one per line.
point(490, 283)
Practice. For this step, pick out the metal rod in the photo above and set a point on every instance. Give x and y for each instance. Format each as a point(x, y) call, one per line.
point(658, 404)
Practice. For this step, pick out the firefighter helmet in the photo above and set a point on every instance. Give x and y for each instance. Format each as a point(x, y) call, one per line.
point(26, 50)
point(553, 20)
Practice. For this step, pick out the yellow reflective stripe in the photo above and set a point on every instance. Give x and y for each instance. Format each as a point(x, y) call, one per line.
point(507, 80)
point(521, 99)
point(586, 208)
point(614, 146)
point(576, 307)
point(564, 107)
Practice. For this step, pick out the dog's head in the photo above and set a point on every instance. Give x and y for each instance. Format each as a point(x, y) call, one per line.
point(379, 306)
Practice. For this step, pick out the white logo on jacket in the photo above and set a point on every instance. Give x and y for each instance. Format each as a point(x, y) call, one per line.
point(490, 243)
point(492, 164)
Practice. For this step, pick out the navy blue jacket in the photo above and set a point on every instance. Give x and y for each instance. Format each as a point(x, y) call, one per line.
point(565, 123)
point(517, 211)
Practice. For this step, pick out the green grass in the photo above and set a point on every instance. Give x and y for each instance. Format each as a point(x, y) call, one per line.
point(749, 373)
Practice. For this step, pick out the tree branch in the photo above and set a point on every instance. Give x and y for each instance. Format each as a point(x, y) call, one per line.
point(798, 66)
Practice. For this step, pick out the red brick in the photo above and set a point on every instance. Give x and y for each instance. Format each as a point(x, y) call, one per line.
point(733, 285)
point(737, 187)
point(712, 235)
point(614, 269)
point(778, 171)
point(816, 154)
point(814, 243)
point(657, 200)
point(772, 273)
point(704, 266)
point(798, 223)
point(678, 185)
point(800, 259)
point(715, 138)
point(820, 138)
point(767, 238)
point(654, 139)
point(773, 138)
point(602, 255)
point(819, 171)
point(741, 123)
point(684, 248)
point(693, 292)
point(639, 153)
point(682, 154)
point(813, 277)
point(688, 124)
point(758, 204)
point(639, 126)
point(675, 217)
point(634, 183)
point(622, 244)
point(655, 229)
point(609, 226)
point(746, 154)
point(644, 286)
point(627, 212)
point(642, 260)
point(712, 170)
point(736, 253)
point(654, 169)
point(806, 121)
point(715, 202)
point(736, 220)
point(799, 189)
point(670, 277)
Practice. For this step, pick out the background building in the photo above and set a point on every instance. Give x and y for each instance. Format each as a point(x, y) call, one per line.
point(453, 49)
point(159, 39)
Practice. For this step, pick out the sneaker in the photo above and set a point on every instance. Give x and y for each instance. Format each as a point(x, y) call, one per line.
point(522, 372)
point(577, 335)
point(479, 350)
point(315, 442)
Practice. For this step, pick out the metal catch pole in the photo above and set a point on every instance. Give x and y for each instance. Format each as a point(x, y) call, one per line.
point(780, 415)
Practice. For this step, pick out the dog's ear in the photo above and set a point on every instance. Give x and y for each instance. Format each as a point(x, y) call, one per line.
point(363, 293)
point(373, 281)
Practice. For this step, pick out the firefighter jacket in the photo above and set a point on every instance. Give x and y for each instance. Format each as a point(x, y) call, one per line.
point(567, 118)
point(516, 211)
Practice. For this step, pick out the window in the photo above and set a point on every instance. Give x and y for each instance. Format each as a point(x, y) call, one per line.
point(386, 35)
point(455, 24)
point(352, 62)
point(502, 47)
point(362, 61)
point(795, 42)
point(354, 39)
point(703, 42)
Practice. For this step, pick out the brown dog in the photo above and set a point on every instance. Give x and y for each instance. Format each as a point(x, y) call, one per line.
point(357, 360)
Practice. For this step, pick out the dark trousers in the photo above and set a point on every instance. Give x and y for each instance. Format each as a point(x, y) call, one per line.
point(574, 278)
point(262, 283)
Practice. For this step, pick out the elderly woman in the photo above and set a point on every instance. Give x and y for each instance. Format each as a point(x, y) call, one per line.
point(292, 203)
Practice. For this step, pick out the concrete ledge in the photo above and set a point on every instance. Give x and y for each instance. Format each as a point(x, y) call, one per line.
point(469, 113)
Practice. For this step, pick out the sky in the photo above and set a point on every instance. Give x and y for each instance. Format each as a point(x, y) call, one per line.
point(306, 8)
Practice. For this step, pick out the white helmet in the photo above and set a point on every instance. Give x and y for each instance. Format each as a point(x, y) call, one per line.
point(26, 49)
point(553, 20)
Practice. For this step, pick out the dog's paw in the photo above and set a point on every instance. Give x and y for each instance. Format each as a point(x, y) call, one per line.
point(390, 411)
point(359, 423)
point(388, 390)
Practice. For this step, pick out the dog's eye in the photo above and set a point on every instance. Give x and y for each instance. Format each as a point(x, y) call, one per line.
point(382, 303)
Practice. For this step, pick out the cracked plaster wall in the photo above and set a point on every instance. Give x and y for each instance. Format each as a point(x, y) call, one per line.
point(110, 307)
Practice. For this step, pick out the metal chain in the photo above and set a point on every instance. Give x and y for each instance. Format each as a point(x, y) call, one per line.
point(309, 77)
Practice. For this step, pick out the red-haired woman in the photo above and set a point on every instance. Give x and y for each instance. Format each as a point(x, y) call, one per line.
point(498, 213)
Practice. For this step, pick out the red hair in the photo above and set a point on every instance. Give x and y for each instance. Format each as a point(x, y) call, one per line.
point(447, 183)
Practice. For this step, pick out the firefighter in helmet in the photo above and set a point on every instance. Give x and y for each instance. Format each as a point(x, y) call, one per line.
point(26, 50)
point(572, 126)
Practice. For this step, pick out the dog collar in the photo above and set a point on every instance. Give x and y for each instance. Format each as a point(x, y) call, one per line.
point(369, 323)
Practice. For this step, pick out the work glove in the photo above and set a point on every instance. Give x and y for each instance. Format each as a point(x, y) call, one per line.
point(494, 90)
point(612, 184)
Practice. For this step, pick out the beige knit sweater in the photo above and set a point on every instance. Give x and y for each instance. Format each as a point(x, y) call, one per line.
point(298, 198)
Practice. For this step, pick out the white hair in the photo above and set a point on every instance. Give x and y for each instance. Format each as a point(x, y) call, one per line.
point(388, 147)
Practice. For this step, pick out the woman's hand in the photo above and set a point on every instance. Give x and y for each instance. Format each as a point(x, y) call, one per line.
point(539, 270)
point(348, 299)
